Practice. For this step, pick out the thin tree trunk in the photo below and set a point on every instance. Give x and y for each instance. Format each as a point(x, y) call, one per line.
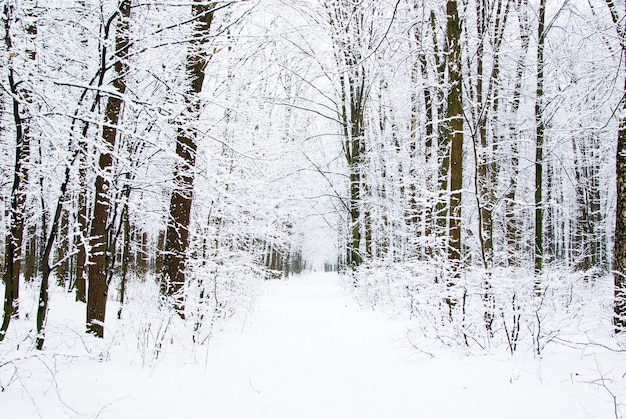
point(125, 253)
point(619, 250)
point(13, 242)
point(512, 224)
point(46, 269)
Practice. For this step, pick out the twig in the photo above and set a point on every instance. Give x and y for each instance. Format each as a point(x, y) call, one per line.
point(251, 386)
point(408, 337)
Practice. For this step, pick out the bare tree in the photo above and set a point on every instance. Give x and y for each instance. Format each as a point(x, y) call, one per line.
point(22, 118)
point(540, 132)
point(97, 292)
point(619, 250)
point(177, 236)
point(454, 133)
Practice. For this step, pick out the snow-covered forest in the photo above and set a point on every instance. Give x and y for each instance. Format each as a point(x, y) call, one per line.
point(456, 168)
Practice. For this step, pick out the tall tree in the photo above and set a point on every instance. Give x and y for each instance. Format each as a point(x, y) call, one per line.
point(82, 205)
point(22, 117)
point(454, 132)
point(97, 292)
point(177, 236)
point(619, 250)
point(539, 138)
point(346, 22)
point(511, 222)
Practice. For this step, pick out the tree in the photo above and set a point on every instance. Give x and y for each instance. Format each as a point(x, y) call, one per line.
point(539, 145)
point(22, 118)
point(619, 250)
point(177, 236)
point(511, 220)
point(346, 18)
point(454, 133)
point(97, 292)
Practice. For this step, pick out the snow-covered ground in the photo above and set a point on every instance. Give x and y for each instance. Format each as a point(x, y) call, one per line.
point(306, 351)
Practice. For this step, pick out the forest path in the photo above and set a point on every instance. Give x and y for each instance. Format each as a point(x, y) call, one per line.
point(311, 353)
point(308, 351)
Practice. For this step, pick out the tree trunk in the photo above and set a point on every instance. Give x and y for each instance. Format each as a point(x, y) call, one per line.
point(97, 273)
point(346, 21)
point(46, 269)
point(125, 253)
point(177, 236)
point(619, 250)
point(512, 224)
point(540, 129)
point(81, 248)
point(455, 134)
point(13, 242)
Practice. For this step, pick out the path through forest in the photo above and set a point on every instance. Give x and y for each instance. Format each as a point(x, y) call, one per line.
point(311, 352)
point(306, 351)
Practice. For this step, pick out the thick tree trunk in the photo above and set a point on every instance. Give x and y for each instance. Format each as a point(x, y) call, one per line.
point(177, 236)
point(455, 133)
point(455, 139)
point(97, 292)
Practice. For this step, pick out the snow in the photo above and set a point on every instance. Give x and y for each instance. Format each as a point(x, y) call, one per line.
point(307, 350)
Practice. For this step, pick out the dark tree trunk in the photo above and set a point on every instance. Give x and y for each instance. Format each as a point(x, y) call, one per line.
point(177, 236)
point(455, 133)
point(13, 241)
point(619, 250)
point(46, 269)
point(540, 129)
point(347, 30)
point(97, 271)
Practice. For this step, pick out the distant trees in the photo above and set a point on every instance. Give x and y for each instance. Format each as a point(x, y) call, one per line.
point(480, 91)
